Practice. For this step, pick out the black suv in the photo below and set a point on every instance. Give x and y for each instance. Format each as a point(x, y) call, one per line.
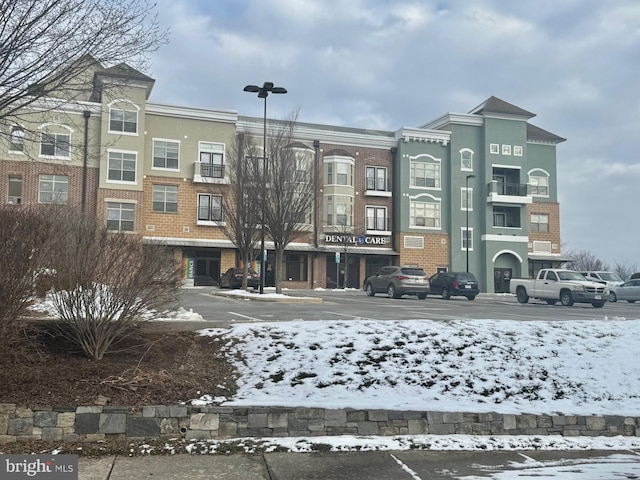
point(450, 284)
point(398, 281)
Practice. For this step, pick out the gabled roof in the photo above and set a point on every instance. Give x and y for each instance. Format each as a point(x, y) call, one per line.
point(123, 70)
point(537, 133)
point(497, 105)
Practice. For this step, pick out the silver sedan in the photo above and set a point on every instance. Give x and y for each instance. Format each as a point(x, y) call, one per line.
point(629, 291)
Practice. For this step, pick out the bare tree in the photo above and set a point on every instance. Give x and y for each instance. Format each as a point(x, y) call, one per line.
point(241, 206)
point(584, 261)
point(105, 282)
point(49, 49)
point(290, 186)
point(625, 269)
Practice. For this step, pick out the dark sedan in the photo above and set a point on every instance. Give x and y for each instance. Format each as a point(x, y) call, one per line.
point(232, 278)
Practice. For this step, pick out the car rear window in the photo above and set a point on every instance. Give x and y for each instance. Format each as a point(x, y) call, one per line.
point(467, 276)
point(416, 272)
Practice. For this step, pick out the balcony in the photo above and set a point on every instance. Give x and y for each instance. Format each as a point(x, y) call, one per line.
point(504, 192)
point(209, 173)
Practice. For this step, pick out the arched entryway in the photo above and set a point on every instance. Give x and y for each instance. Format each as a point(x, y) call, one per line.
point(505, 265)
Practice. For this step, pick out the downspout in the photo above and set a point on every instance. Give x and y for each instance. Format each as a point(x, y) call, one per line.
point(316, 146)
point(87, 114)
point(394, 203)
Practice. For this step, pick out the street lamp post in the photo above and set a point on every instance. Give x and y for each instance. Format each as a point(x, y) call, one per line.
point(467, 196)
point(263, 92)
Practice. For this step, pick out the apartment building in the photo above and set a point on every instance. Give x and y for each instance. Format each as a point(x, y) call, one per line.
point(476, 189)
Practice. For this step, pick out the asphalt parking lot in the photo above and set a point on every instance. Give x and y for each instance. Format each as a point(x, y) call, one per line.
point(355, 305)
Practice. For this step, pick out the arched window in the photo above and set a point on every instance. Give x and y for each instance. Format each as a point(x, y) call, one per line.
point(539, 181)
point(17, 139)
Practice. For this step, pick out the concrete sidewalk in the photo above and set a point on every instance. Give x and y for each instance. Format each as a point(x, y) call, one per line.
point(373, 465)
point(174, 467)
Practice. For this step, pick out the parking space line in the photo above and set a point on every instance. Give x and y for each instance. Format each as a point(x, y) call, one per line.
point(343, 314)
point(253, 319)
point(406, 468)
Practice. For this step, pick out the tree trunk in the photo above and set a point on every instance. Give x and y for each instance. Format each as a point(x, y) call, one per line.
point(279, 268)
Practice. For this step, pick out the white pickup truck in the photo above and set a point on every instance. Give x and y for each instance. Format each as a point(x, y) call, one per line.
point(566, 286)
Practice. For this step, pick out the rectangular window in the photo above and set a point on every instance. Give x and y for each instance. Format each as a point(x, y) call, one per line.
point(377, 179)
point(425, 214)
point(165, 198)
point(467, 238)
point(209, 207)
point(120, 216)
point(539, 223)
point(506, 217)
point(339, 173)
point(165, 154)
point(54, 145)
point(15, 190)
point(539, 185)
point(53, 189)
point(122, 167)
point(425, 174)
point(125, 121)
point(339, 210)
point(376, 218)
point(211, 159)
point(296, 267)
point(466, 199)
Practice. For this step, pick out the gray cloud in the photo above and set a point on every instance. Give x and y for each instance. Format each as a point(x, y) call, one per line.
point(383, 64)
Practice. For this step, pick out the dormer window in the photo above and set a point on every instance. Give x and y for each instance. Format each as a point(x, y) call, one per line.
point(123, 121)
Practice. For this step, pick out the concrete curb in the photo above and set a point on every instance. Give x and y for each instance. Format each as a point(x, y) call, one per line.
point(259, 298)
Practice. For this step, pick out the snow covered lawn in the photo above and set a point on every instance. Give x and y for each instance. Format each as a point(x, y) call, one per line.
point(505, 366)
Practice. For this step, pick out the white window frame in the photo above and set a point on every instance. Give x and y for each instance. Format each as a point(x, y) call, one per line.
point(425, 163)
point(419, 203)
point(212, 149)
point(466, 195)
point(535, 220)
point(333, 163)
point(167, 143)
point(136, 111)
point(55, 181)
point(14, 199)
point(506, 149)
point(464, 238)
point(466, 153)
point(118, 207)
point(494, 149)
point(122, 153)
point(339, 203)
point(58, 143)
point(538, 173)
point(16, 139)
point(518, 151)
point(155, 194)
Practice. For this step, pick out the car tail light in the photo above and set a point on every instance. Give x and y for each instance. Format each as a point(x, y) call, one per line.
point(402, 277)
point(455, 284)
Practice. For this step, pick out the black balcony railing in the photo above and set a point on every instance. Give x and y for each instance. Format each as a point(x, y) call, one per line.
point(512, 189)
point(211, 170)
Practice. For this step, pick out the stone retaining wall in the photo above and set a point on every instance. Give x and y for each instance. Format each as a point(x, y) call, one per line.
point(93, 423)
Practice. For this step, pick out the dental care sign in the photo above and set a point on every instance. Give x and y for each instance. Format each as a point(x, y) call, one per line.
point(355, 240)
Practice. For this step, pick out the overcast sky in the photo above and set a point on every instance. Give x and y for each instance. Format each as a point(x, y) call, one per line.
point(386, 64)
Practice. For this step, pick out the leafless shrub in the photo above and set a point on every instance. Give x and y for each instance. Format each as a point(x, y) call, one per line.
point(105, 282)
point(23, 238)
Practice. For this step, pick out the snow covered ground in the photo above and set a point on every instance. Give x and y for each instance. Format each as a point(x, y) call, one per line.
point(505, 366)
